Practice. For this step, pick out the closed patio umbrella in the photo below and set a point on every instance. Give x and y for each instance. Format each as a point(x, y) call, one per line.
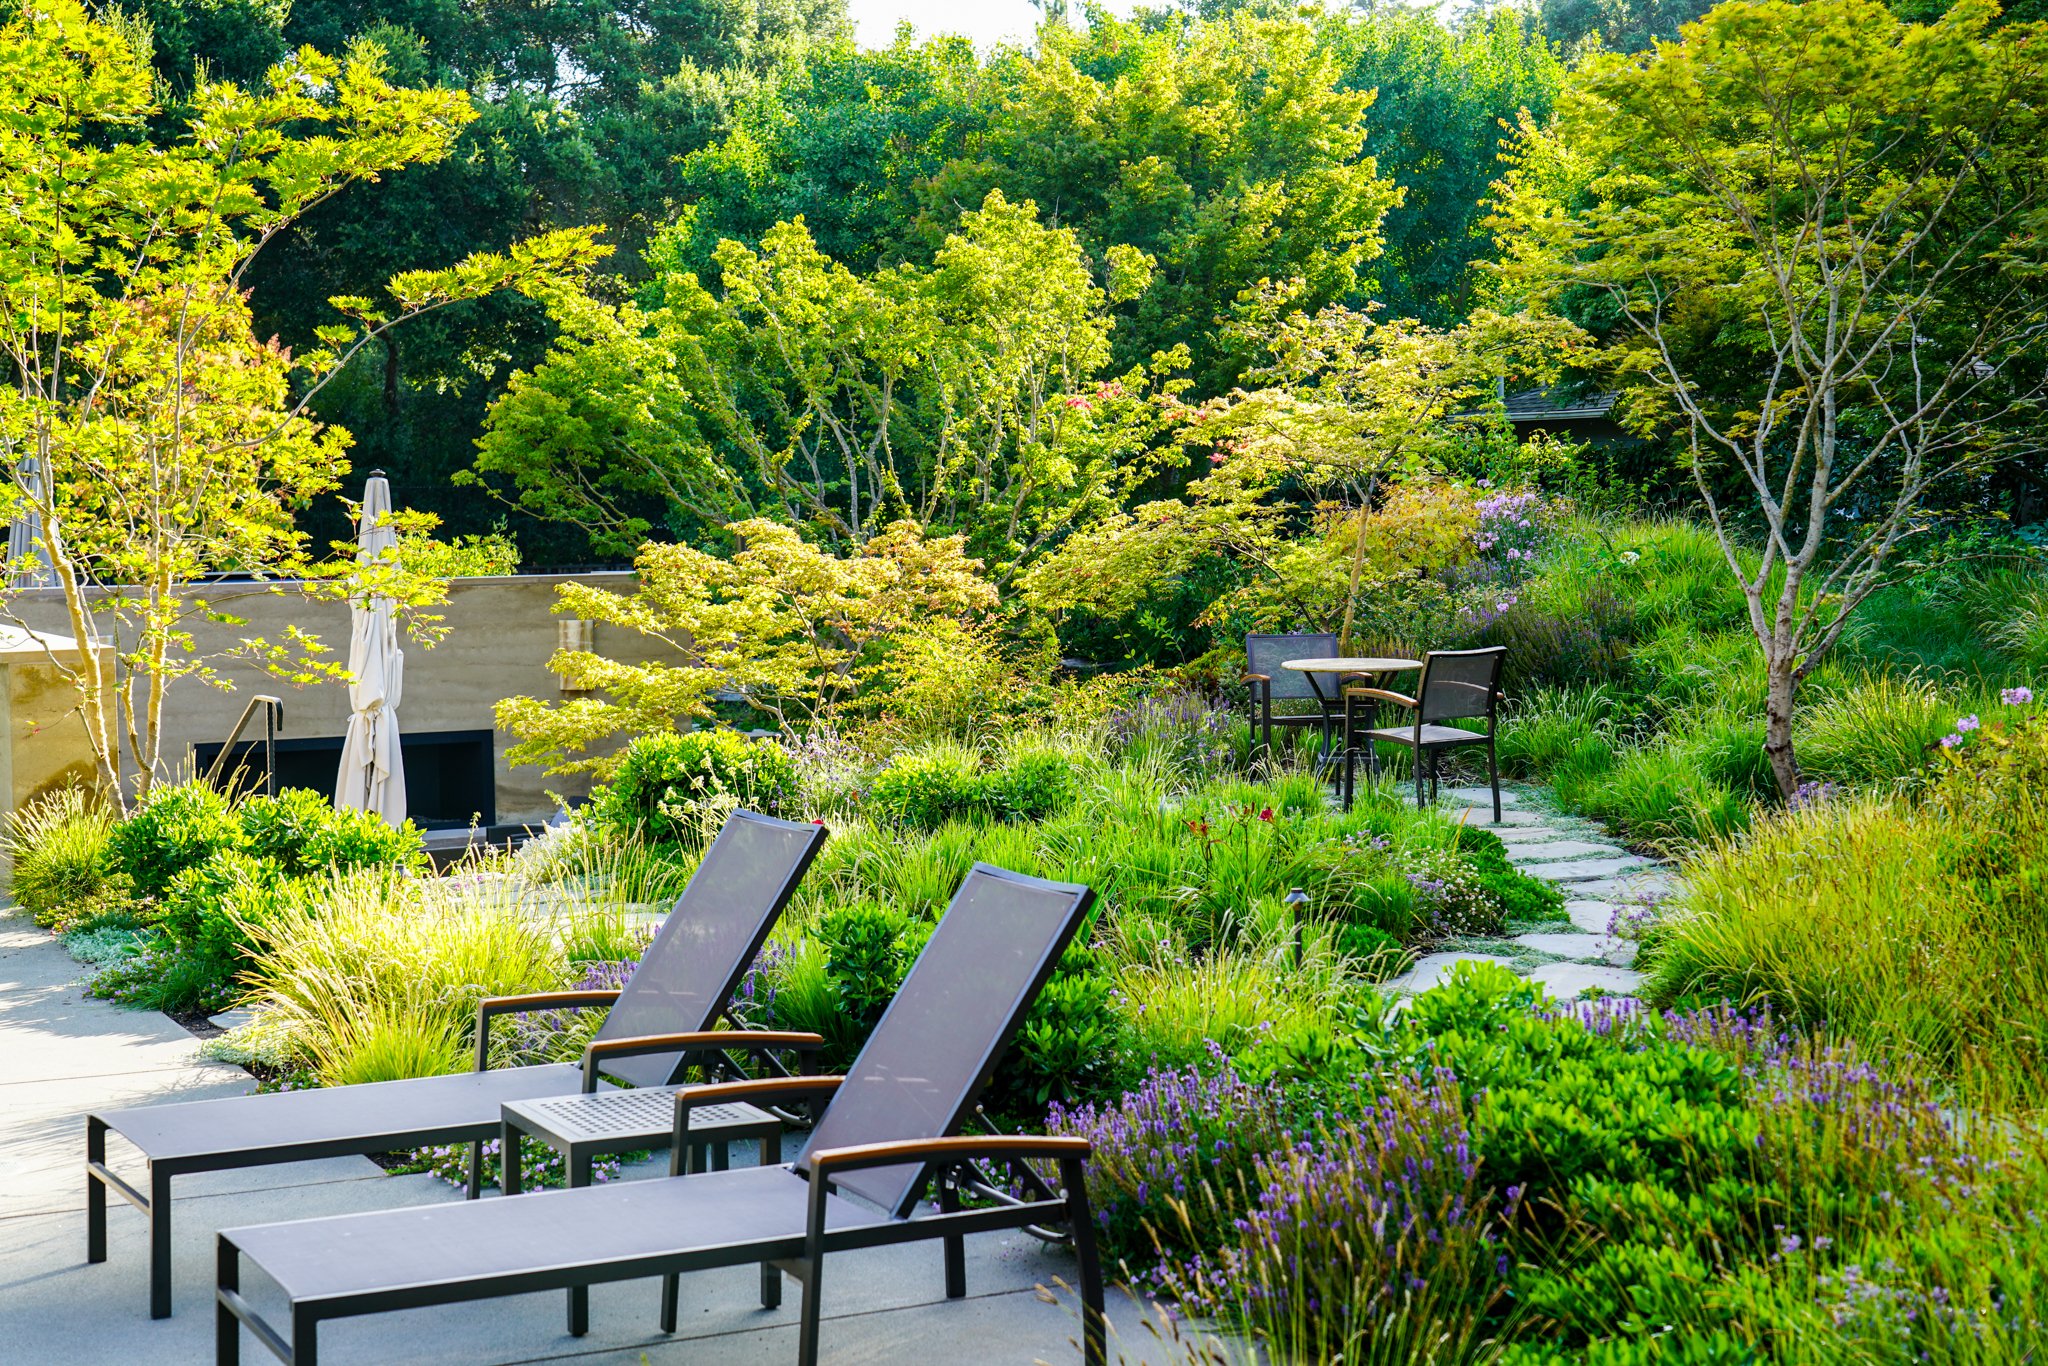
point(28, 559)
point(372, 774)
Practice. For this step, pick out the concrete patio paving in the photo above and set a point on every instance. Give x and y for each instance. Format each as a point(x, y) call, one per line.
point(62, 1055)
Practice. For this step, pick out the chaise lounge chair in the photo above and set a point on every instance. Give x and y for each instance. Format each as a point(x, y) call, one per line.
point(889, 1125)
point(659, 1026)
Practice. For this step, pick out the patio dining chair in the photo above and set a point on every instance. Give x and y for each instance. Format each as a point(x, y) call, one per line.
point(886, 1131)
point(660, 1023)
point(1456, 685)
point(1270, 681)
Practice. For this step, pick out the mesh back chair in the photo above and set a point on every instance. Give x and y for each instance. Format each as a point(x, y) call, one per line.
point(1265, 658)
point(887, 1128)
point(1456, 685)
point(660, 1022)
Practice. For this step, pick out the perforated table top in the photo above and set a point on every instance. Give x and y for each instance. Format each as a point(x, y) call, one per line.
point(647, 1113)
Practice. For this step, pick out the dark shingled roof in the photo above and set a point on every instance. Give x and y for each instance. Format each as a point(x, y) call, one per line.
point(1541, 405)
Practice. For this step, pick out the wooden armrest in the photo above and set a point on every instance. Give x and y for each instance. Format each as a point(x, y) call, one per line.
point(769, 1089)
point(1381, 694)
point(539, 1000)
point(962, 1148)
point(706, 1040)
point(1256, 678)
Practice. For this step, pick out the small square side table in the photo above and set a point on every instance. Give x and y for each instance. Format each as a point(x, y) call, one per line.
point(582, 1126)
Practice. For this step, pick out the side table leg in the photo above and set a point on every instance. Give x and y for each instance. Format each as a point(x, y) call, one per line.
point(771, 1277)
point(511, 1171)
point(579, 1295)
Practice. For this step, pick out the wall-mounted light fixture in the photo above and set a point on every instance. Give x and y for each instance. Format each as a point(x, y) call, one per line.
point(580, 636)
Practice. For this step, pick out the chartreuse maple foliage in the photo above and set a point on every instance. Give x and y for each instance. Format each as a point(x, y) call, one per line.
point(785, 623)
point(167, 441)
point(1345, 405)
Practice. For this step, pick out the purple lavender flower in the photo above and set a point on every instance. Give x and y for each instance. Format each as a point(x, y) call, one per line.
point(2016, 697)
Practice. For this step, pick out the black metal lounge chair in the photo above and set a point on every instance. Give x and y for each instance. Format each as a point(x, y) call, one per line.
point(888, 1127)
point(656, 1029)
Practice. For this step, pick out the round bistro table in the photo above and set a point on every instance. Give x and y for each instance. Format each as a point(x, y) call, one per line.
point(1332, 701)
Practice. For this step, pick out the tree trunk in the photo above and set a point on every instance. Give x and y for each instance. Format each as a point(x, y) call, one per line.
point(1780, 695)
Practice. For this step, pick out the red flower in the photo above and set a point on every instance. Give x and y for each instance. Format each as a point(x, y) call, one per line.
point(1266, 814)
point(817, 822)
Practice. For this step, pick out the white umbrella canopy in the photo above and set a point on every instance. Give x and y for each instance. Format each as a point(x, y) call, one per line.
point(28, 559)
point(372, 776)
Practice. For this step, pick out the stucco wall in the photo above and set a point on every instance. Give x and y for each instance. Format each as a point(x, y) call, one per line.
point(503, 632)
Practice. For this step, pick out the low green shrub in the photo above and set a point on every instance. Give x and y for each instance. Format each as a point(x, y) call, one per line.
point(177, 825)
point(304, 833)
point(946, 782)
point(675, 788)
point(927, 789)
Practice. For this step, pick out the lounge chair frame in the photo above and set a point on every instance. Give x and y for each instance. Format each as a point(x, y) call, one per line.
point(460, 1108)
point(643, 1213)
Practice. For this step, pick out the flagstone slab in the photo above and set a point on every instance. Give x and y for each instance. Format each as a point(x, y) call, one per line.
point(1569, 849)
point(1591, 916)
point(1654, 886)
point(1583, 870)
point(1477, 815)
point(1435, 969)
point(1567, 980)
point(1483, 796)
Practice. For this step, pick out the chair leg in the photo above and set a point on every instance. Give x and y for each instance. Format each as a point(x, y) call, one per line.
point(955, 1245)
point(670, 1291)
point(809, 1314)
point(1081, 1219)
point(159, 1244)
point(476, 1171)
point(1419, 803)
point(95, 1192)
point(227, 1329)
point(1493, 772)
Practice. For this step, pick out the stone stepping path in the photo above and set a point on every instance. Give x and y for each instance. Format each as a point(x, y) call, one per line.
point(1595, 873)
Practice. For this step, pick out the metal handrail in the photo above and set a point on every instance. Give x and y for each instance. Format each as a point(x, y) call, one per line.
point(273, 722)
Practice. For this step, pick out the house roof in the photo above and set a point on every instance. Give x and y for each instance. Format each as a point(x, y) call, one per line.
point(1544, 405)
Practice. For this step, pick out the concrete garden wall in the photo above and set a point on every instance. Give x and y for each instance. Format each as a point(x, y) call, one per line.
point(503, 632)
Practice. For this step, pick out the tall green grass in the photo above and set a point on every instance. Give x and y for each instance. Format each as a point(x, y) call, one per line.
point(382, 975)
point(1855, 914)
point(58, 848)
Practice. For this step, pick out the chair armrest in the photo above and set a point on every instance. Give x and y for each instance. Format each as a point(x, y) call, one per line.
point(960, 1148)
point(513, 1005)
point(1256, 678)
point(1383, 695)
point(770, 1089)
point(705, 1040)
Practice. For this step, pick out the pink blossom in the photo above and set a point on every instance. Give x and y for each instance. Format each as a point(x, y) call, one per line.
point(2016, 697)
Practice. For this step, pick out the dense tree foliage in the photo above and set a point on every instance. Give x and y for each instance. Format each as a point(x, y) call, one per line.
point(1818, 230)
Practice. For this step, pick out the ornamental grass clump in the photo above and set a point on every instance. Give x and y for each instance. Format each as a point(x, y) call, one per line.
point(1912, 924)
point(382, 975)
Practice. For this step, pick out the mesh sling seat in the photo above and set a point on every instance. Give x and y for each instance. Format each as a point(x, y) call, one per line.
point(658, 1025)
point(1270, 681)
point(1456, 685)
point(885, 1130)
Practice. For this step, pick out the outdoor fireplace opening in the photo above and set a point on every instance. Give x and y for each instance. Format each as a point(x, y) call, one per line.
point(449, 783)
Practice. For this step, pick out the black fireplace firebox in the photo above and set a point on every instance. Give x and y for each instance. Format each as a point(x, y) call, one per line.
point(449, 783)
